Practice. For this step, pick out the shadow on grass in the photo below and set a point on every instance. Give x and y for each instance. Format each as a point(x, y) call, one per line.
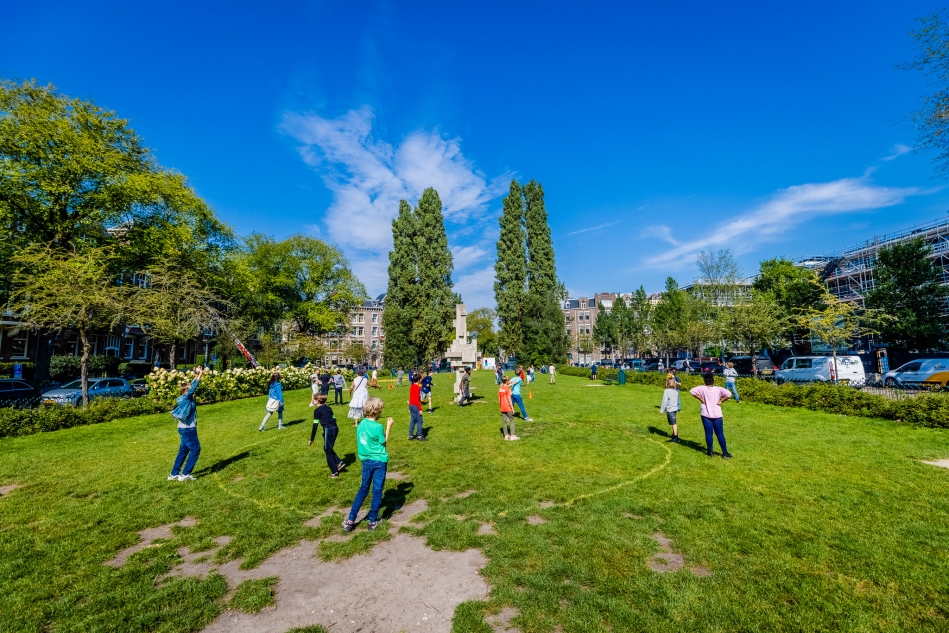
point(294, 422)
point(218, 466)
point(394, 498)
point(695, 446)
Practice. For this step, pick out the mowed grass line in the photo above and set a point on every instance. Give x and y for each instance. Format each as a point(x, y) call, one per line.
point(821, 522)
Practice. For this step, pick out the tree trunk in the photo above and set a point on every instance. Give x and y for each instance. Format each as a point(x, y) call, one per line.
point(171, 356)
point(84, 366)
point(833, 352)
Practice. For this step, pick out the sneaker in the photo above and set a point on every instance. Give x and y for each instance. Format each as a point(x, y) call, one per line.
point(528, 419)
point(514, 438)
point(422, 438)
point(334, 476)
point(261, 429)
point(186, 478)
point(373, 525)
point(710, 454)
point(348, 526)
point(411, 437)
point(673, 439)
point(280, 427)
point(507, 437)
point(312, 405)
point(172, 477)
point(727, 456)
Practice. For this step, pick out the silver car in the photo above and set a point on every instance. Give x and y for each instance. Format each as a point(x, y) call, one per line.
point(71, 393)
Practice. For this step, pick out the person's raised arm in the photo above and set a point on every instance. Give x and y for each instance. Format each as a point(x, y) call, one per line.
point(389, 424)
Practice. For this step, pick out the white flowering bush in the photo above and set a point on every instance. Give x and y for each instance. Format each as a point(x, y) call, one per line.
point(232, 384)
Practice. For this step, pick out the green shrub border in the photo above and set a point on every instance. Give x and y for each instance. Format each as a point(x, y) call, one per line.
point(929, 410)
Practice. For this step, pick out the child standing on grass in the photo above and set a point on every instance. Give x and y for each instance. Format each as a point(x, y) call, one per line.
point(507, 410)
point(314, 387)
point(371, 441)
point(426, 389)
point(324, 416)
point(670, 406)
point(339, 383)
point(415, 410)
point(465, 387)
point(516, 383)
point(712, 398)
point(186, 412)
point(730, 375)
point(274, 401)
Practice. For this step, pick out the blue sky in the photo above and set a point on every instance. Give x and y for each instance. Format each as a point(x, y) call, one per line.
point(657, 131)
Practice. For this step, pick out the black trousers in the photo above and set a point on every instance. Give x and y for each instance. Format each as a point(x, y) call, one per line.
point(329, 441)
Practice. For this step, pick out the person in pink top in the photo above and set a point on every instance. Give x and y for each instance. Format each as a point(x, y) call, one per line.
point(712, 398)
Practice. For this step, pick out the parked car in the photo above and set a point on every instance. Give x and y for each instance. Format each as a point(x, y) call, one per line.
point(684, 365)
point(743, 365)
point(925, 372)
point(849, 370)
point(13, 390)
point(715, 366)
point(71, 393)
point(139, 387)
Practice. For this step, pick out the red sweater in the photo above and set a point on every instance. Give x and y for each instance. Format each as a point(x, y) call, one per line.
point(415, 398)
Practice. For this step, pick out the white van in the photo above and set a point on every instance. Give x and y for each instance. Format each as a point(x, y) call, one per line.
point(849, 370)
point(930, 371)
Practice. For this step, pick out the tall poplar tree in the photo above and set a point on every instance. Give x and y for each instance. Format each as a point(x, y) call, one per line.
point(397, 315)
point(510, 270)
point(434, 299)
point(545, 337)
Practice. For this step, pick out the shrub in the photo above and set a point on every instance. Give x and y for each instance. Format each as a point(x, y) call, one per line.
point(63, 368)
point(126, 369)
point(931, 410)
point(52, 418)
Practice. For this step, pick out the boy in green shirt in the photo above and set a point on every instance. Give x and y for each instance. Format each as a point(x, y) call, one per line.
point(371, 447)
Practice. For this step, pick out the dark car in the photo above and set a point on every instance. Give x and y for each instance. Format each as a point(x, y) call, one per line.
point(714, 366)
point(139, 387)
point(15, 392)
point(765, 365)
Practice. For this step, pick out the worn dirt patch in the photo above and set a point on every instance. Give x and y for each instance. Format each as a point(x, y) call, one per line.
point(631, 516)
point(536, 520)
point(941, 463)
point(148, 537)
point(487, 528)
point(668, 560)
point(546, 504)
point(502, 621)
point(197, 563)
point(5, 490)
point(315, 521)
point(465, 494)
point(237, 478)
point(396, 476)
point(594, 385)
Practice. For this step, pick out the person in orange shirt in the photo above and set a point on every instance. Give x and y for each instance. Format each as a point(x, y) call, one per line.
point(507, 410)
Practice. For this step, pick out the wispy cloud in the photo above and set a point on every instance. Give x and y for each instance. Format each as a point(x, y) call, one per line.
point(477, 288)
point(368, 176)
point(661, 231)
point(898, 150)
point(592, 228)
point(785, 209)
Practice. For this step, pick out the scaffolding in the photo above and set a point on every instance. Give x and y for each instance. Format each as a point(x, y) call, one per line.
point(849, 273)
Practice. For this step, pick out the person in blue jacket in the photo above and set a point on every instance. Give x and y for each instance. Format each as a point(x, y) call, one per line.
point(274, 401)
point(186, 412)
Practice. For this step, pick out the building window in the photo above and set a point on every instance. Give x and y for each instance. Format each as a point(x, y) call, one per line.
point(143, 350)
point(375, 318)
point(129, 347)
point(373, 346)
point(375, 330)
point(19, 343)
point(362, 318)
point(360, 331)
point(111, 345)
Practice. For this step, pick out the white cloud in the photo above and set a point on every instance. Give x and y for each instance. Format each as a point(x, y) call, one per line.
point(477, 288)
point(368, 177)
point(786, 208)
point(592, 228)
point(661, 231)
point(898, 150)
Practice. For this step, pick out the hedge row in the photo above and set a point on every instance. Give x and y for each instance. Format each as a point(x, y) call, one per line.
point(53, 418)
point(233, 384)
point(930, 410)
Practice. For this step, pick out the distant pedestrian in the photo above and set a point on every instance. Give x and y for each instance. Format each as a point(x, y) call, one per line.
point(515, 384)
point(371, 441)
point(399, 375)
point(465, 388)
point(325, 379)
point(274, 401)
point(314, 387)
point(415, 410)
point(553, 374)
point(359, 393)
point(339, 383)
point(507, 410)
point(593, 371)
point(712, 398)
point(498, 374)
point(530, 374)
point(426, 389)
point(374, 383)
point(730, 375)
point(324, 417)
point(186, 413)
point(670, 406)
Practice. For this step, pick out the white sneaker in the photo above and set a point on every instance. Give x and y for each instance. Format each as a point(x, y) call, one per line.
point(280, 427)
point(260, 428)
point(172, 477)
point(186, 478)
point(311, 404)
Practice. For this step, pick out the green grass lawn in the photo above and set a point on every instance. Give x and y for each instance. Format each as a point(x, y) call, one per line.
point(819, 523)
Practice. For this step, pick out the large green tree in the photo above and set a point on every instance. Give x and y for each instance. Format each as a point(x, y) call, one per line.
point(510, 270)
point(481, 326)
point(907, 285)
point(434, 299)
point(604, 330)
point(397, 314)
point(669, 319)
point(931, 118)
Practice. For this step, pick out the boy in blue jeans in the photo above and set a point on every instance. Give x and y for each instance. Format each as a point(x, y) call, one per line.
point(186, 412)
point(371, 446)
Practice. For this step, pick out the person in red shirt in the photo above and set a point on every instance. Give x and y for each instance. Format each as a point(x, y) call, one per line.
point(507, 410)
point(415, 409)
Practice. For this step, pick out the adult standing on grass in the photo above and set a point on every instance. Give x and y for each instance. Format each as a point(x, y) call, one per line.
point(515, 384)
point(324, 417)
point(186, 412)
point(359, 393)
point(274, 401)
point(325, 379)
point(593, 371)
point(712, 398)
point(731, 374)
point(553, 374)
point(339, 383)
point(371, 443)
